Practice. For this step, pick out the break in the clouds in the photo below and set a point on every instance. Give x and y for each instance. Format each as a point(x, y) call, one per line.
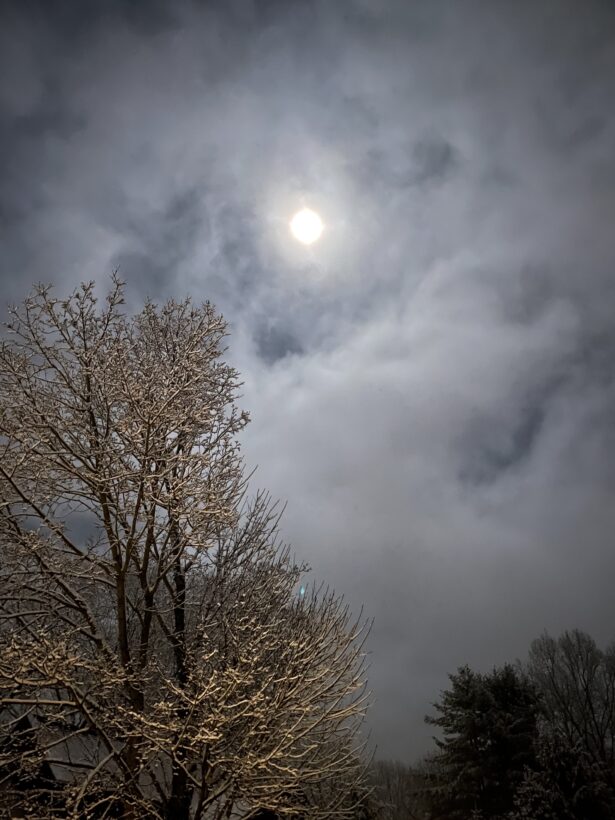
point(431, 384)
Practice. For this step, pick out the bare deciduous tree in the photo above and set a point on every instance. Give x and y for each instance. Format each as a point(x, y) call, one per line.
point(394, 788)
point(155, 660)
point(577, 682)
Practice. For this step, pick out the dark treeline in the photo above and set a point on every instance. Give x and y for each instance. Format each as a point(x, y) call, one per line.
point(532, 740)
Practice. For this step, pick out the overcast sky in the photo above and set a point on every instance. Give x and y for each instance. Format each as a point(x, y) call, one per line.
point(431, 384)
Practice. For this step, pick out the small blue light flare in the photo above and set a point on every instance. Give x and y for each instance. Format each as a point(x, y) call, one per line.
point(302, 591)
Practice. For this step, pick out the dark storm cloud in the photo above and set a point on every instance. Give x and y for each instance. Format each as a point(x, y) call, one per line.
point(490, 446)
point(434, 159)
point(432, 386)
point(274, 343)
point(157, 246)
point(425, 161)
point(72, 22)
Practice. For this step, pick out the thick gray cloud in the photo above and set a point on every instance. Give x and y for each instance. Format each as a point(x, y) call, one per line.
point(431, 385)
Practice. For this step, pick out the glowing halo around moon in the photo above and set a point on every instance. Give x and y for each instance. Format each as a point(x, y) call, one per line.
point(306, 226)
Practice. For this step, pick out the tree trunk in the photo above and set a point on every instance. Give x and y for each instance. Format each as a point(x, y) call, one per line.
point(178, 807)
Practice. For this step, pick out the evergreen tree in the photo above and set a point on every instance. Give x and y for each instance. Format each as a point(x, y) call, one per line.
point(489, 726)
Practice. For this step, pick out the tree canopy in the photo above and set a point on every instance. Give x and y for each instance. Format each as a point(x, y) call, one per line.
point(489, 725)
point(155, 659)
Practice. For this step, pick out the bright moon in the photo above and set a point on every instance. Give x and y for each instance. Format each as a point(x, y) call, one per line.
point(306, 226)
